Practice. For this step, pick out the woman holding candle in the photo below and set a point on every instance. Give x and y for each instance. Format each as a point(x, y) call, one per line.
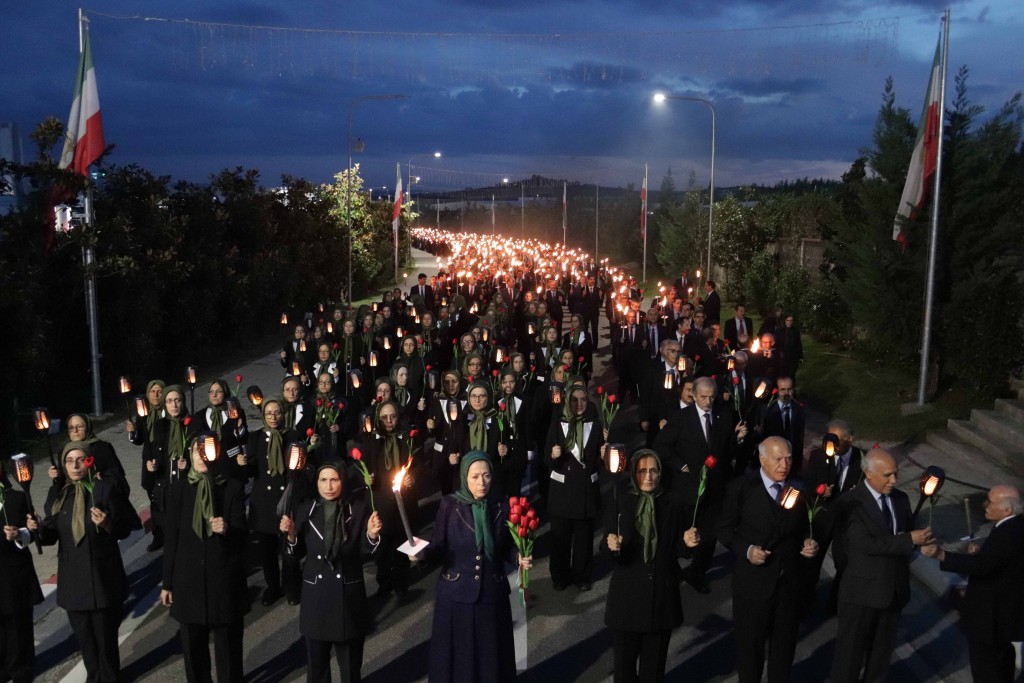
point(413, 407)
point(87, 525)
point(19, 590)
point(389, 450)
point(266, 458)
point(227, 420)
point(164, 458)
point(322, 364)
point(333, 532)
point(513, 412)
point(573, 457)
point(472, 630)
point(204, 570)
point(409, 356)
point(476, 430)
point(444, 410)
point(645, 537)
point(140, 432)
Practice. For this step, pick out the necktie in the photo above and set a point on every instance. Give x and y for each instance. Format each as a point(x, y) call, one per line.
point(707, 426)
point(841, 466)
point(740, 330)
point(887, 513)
point(776, 491)
point(785, 420)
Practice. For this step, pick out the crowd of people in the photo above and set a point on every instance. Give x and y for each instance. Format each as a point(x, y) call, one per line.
point(458, 384)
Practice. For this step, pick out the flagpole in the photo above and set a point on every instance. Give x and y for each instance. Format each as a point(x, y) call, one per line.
point(564, 209)
point(89, 268)
point(933, 237)
point(492, 215)
point(644, 222)
point(597, 217)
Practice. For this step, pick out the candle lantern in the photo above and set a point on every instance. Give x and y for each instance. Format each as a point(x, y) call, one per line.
point(374, 306)
point(255, 395)
point(416, 318)
point(368, 423)
point(444, 301)
point(731, 365)
point(354, 378)
point(190, 376)
point(669, 381)
point(141, 406)
point(399, 332)
point(296, 463)
point(296, 368)
point(473, 308)
point(453, 410)
point(302, 346)
point(23, 469)
point(790, 496)
point(498, 356)
point(330, 328)
point(531, 329)
point(284, 319)
point(387, 343)
point(297, 455)
point(234, 408)
point(125, 384)
point(556, 396)
point(829, 443)
point(756, 346)
point(931, 482)
point(209, 446)
point(615, 458)
point(42, 420)
point(373, 359)
point(486, 334)
point(762, 388)
point(681, 364)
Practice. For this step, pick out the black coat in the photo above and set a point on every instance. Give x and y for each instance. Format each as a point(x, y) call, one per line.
point(334, 605)
point(682, 442)
point(384, 496)
point(993, 607)
point(712, 308)
point(233, 436)
point(573, 491)
point(466, 577)
point(644, 597)
point(751, 516)
point(267, 488)
point(19, 587)
point(158, 482)
point(206, 575)
point(92, 573)
point(773, 426)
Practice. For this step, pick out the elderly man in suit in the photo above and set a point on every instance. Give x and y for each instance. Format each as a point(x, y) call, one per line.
point(774, 558)
point(876, 584)
point(689, 436)
point(992, 612)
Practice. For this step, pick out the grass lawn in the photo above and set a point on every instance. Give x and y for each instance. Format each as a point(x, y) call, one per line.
point(869, 395)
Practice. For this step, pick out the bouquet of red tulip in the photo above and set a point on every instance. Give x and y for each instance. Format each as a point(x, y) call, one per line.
point(522, 524)
point(813, 510)
point(709, 464)
point(357, 457)
point(609, 408)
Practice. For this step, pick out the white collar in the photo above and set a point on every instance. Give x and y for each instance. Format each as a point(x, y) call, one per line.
point(768, 483)
point(1005, 518)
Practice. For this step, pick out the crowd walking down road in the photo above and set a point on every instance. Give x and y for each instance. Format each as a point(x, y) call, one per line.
point(520, 465)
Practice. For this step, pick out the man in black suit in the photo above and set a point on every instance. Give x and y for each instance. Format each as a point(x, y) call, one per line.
point(683, 284)
point(425, 291)
point(774, 558)
point(992, 612)
point(588, 305)
point(689, 436)
point(554, 300)
point(786, 418)
point(657, 391)
point(739, 330)
point(712, 304)
point(876, 584)
point(766, 362)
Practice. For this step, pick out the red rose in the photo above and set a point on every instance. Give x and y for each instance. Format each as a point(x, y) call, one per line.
point(876, 445)
point(238, 379)
point(735, 381)
point(515, 510)
point(710, 462)
point(821, 489)
point(600, 390)
point(357, 455)
point(88, 461)
point(330, 405)
point(187, 421)
point(533, 368)
point(696, 358)
point(533, 523)
point(454, 341)
point(714, 376)
point(309, 432)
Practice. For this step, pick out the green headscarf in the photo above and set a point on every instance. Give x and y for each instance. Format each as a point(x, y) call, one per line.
point(478, 425)
point(275, 450)
point(217, 416)
point(481, 525)
point(175, 432)
point(574, 435)
point(78, 512)
point(464, 364)
point(400, 393)
point(154, 413)
point(202, 511)
point(444, 391)
point(392, 449)
point(644, 521)
point(290, 408)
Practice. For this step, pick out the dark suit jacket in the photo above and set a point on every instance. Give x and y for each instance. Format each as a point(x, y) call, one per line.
point(877, 571)
point(731, 334)
point(712, 308)
point(428, 297)
point(573, 490)
point(797, 420)
point(993, 608)
point(751, 517)
point(682, 442)
point(466, 577)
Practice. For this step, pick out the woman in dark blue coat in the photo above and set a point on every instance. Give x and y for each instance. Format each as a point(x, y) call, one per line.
point(645, 536)
point(204, 571)
point(472, 633)
point(333, 532)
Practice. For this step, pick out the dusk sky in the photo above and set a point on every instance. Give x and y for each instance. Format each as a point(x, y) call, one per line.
point(554, 88)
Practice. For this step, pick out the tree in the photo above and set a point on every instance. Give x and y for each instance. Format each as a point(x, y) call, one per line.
point(681, 230)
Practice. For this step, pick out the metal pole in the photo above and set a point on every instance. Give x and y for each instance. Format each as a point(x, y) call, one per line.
point(597, 217)
point(522, 210)
point(933, 238)
point(91, 312)
point(711, 194)
point(492, 214)
point(437, 205)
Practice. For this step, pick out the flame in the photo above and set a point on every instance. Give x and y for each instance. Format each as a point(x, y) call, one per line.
point(830, 449)
point(284, 318)
point(396, 485)
point(789, 498)
point(756, 346)
point(930, 486)
point(761, 388)
point(126, 385)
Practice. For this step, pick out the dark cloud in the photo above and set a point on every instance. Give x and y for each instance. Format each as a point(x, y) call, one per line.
point(767, 87)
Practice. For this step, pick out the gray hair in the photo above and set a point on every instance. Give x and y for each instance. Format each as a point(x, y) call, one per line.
point(762, 450)
point(839, 425)
point(740, 356)
point(704, 381)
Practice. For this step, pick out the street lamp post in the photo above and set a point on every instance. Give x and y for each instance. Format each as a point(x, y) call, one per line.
point(436, 155)
point(660, 98)
point(348, 185)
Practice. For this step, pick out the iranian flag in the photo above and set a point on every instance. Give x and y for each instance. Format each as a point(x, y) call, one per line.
point(923, 161)
point(84, 141)
point(396, 211)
